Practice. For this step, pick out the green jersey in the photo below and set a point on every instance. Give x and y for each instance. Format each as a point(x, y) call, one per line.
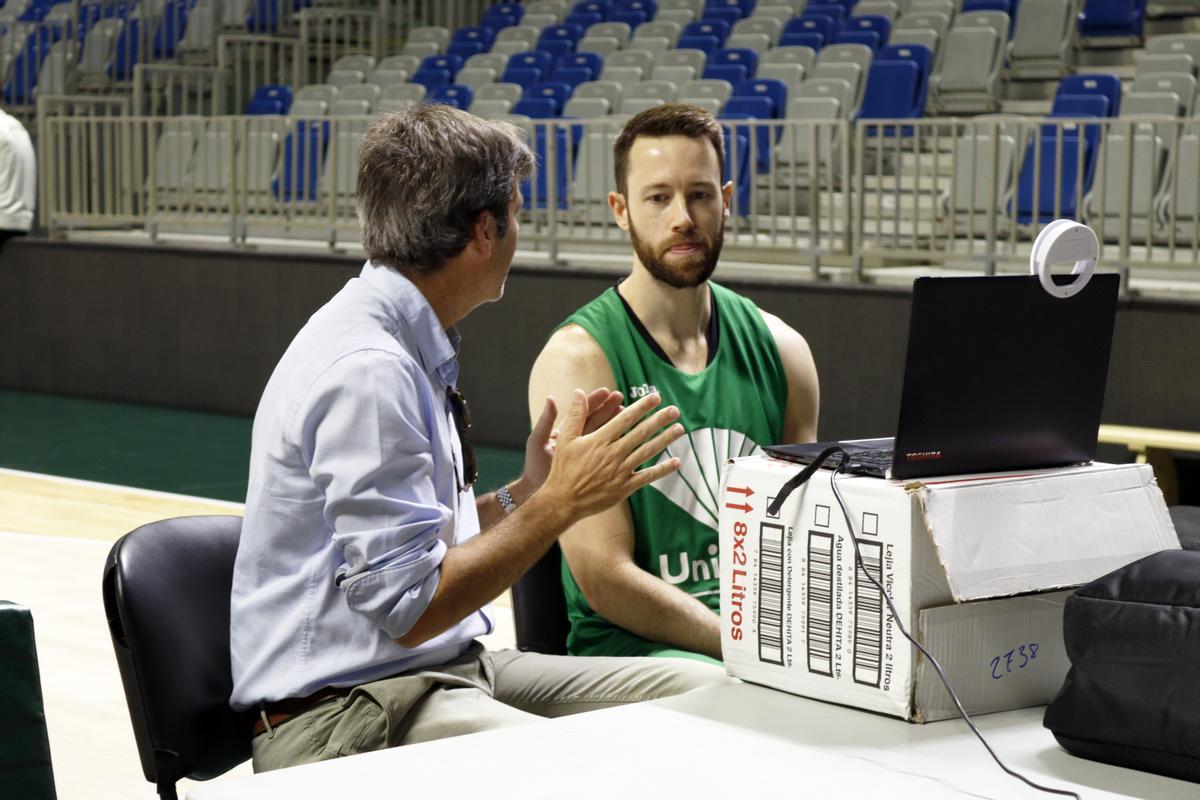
point(731, 408)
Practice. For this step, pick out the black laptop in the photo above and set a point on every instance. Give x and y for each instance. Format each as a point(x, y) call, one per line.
point(999, 376)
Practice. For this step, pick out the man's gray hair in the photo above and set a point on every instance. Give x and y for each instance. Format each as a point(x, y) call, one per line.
point(425, 175)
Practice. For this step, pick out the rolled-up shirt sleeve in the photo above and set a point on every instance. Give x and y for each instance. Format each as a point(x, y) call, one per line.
point(368, 432)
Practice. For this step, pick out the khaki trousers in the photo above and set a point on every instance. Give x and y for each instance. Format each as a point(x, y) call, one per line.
point(480, 691)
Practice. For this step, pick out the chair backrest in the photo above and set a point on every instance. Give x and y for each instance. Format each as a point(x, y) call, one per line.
point(1180, 63)
point(609, 91)
point(696, 59)
point(665, 29)
point(1176, 44)
point(166, 594)
point(1108, 86)
point(1181, 84)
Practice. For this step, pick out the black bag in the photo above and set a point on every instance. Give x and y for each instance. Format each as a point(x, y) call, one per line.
point(1132, 696)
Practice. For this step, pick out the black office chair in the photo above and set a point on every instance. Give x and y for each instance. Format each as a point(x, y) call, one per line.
point(539, 607)
point(166, 595)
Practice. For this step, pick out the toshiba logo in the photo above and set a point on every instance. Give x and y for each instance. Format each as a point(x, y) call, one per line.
point(924, 455)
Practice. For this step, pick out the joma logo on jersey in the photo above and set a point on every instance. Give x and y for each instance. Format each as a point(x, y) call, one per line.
point(677, 569)
point(636, 392)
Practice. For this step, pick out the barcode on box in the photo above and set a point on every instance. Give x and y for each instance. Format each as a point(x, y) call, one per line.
point(820, 603)
point(770, 594)
point(868, 615)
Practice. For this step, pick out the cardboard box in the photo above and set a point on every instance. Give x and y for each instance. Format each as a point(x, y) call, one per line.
point(969, 561)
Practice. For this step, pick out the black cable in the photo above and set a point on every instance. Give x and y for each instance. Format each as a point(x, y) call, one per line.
point(802, 478)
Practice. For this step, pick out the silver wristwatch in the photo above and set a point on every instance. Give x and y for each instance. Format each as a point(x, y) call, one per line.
point(506, 500)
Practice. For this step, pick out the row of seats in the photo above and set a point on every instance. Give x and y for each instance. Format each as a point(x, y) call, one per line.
point(52, 45)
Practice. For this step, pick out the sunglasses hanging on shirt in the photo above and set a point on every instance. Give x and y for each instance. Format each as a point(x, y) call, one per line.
point(462, 424)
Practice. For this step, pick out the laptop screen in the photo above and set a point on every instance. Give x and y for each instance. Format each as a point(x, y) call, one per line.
point(1001, 375)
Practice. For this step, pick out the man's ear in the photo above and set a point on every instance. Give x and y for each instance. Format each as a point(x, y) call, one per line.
point(484, 233)
point(727, 196)
point(620, 209)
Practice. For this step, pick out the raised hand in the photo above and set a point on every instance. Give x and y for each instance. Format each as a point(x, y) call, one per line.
point(594, 469)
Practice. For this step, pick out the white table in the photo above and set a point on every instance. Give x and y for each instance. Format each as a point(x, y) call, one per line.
point(739, 742)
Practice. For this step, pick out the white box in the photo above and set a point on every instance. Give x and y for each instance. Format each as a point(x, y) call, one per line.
point(968, 561)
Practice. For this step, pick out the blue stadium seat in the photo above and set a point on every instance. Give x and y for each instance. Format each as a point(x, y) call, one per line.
point(706, 44)
point(570, 33)
point(431, 78)
point(449, 63)
point(479, 34)
point(537, 192)
point(920, 55)
point(170, 29)
point(302, 162)
point(833, 11)
point(1122, 18)
point(647, 7)
point(572, 76)
point(631, 18)
point(521, 76)
point(23, 73)
point(536, 107)
point(603, 8)
point(1074, 150)
point(531, 59)
point(743, 7)
point(263, 17)
point(126, 51)
point(590, 61)
point(1080, 105)
point(737, 168)
point(823, 26)
point(714, 28)
point(869, 38)
point(556, 47)
point(453, 94)
point(753, 108)
point(464, 50)
point(772, 89)
point(870, 22)
point(1097, 83)
point(583, 20)
point(1007, 6)
point(498, 22)
point(796, 39)
point(556, 91)
point(516, 10)
point(736, 55)
point(733, 74)
point(1079, 145)
point(724, 14)
point(273, 98)
point(892, 91)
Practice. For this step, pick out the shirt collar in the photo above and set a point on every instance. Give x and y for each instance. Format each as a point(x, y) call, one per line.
point(418, 328)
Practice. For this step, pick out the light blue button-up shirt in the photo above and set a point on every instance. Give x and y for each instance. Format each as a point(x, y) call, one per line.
point(353, 499)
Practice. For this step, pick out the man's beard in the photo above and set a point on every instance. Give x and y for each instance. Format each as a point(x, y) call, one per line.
point(683, 273)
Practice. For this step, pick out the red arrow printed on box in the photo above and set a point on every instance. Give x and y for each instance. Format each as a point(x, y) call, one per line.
point(743, 507)
point(746, 490)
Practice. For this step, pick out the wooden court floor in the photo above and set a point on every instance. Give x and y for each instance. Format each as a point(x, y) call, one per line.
point(54, 536)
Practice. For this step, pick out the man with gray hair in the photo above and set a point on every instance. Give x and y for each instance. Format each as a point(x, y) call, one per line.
point(366, 562)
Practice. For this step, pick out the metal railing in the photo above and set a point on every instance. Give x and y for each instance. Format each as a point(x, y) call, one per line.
point(249, 61)
point(327, 34)
point(813, 193)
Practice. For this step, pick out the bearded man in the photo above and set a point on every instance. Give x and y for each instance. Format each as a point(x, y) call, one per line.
point(641, 578)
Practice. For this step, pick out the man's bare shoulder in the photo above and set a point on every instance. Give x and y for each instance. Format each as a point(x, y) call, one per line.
point(571, 342)
point(571, 359)
point(787, 339)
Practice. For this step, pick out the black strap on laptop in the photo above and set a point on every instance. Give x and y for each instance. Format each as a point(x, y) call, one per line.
point(773, 510)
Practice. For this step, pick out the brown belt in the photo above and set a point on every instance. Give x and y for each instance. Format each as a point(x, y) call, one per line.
point(283, 710)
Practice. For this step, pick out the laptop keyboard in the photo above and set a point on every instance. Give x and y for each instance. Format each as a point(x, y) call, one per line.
point(878, 459)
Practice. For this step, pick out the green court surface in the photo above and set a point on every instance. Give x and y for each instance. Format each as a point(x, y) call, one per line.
point(168, 450)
